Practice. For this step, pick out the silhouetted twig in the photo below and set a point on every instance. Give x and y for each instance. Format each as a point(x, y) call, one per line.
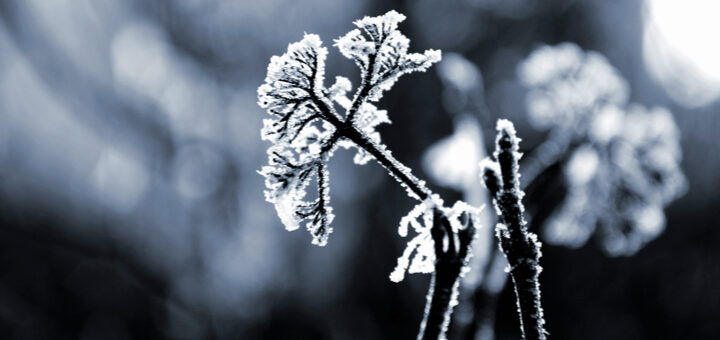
point(520, 246)
point(451, 258)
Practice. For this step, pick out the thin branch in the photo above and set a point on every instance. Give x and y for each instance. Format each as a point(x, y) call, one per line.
point(443, 292)
point(367, 83)
point(406, 178)
point(364, 90)
point(348, 130)
point(520, 246)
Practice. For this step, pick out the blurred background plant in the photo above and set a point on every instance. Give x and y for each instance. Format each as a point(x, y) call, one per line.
point(619, 166)
point(131, 206)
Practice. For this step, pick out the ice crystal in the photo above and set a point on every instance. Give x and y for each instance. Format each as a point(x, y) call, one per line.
point(619, 183)
point(305, 127)
point(420, 218)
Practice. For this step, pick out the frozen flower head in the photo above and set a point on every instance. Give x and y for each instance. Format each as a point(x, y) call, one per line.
point(305, 127)
point(620, 181)
point(566, 84)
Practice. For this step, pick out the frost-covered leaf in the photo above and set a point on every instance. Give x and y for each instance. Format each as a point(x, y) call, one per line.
point(305, 127)
point(338, 92)
point(380, 51)
point(286, 180)
point(302, 139)
point(420, 218)
point(287, 94)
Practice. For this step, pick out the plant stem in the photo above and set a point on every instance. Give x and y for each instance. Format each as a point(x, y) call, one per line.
point(396, 169)
point(519, 245)
point(443, 292)
point(385, 158)
point(484, 297)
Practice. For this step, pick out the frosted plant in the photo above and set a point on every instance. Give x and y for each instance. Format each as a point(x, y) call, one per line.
point(620, 181)
point(306, 128)
point(421, 219)
point(521, 247)
point(452, 162)
point(566, 87)
point(566, 84)
point(622, 161)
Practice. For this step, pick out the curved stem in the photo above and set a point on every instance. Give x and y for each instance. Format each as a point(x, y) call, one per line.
point(445, 279)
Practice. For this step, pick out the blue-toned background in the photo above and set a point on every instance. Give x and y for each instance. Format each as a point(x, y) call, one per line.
point(130, 205)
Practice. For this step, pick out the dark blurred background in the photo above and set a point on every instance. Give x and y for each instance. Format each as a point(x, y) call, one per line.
point(130, 206)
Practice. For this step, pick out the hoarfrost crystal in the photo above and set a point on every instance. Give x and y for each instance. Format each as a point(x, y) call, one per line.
point(421, 219)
